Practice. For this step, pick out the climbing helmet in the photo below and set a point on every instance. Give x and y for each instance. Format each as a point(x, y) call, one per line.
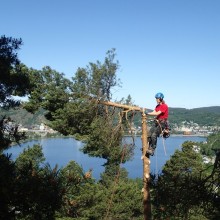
point(159, 95)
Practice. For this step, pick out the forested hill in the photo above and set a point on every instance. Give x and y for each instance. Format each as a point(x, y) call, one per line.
point(26, 119)
point(202, 116)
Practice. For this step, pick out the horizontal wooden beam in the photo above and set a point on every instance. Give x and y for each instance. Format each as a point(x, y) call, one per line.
point(127, 107)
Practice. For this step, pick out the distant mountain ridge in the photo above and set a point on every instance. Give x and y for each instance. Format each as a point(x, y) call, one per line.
point(24, 118)
point(203, 109)
point(204, 116)
point(209, 116)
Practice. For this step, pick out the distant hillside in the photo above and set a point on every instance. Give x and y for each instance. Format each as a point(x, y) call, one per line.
point(203, 116)
point(26, 119)
point(209, 116)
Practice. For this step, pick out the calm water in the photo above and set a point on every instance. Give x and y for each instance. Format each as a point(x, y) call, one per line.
point(62, 150)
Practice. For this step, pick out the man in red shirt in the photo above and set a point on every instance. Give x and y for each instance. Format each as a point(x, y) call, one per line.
point(161, 113)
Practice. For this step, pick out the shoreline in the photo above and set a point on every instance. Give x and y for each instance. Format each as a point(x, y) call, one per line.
point(137, 135)
point(174, 135)
point(190, 135)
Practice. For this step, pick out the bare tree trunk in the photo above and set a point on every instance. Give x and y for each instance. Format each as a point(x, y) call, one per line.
point(146, 170)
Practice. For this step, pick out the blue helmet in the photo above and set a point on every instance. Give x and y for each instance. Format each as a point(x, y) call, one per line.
point(159, 95)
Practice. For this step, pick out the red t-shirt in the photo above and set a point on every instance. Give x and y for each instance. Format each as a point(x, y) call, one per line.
point(164, 111)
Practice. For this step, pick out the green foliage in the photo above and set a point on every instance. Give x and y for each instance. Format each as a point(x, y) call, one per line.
point(31, 156)
point(97, 79)
point(7, 178)
point(13, 80)
point(37, 192)
point(74, 108)
point(125, 201)
point(9, 133)
point(103, 139)
point(49, 90)
point(177, 192)
point(29, 190)
point(83, 198)
point(80, 194)
point(69, 105)
point(74, 119)
point(186, 189)
point(112, 171)
point(211, 146)
point(38, 188)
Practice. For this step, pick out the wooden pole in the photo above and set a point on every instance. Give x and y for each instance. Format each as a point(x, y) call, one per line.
point(146, 170)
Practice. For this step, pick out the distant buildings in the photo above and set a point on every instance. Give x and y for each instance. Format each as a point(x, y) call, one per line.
point(185, 128)
point(41, 129)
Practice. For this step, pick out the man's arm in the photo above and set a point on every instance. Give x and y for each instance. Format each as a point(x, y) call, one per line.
point(154, 113)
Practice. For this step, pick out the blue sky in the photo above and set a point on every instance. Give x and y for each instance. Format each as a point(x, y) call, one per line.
point(169, 46)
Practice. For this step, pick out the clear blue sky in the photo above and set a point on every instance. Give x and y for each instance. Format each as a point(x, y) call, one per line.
point(169, 46)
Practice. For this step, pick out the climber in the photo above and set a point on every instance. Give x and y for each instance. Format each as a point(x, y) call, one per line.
point(160, 125)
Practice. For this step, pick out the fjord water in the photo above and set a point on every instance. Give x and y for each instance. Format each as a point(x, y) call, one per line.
point(62, 150)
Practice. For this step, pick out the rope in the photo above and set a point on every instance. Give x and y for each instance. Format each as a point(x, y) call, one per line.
point(164, 147)
point(156, 166)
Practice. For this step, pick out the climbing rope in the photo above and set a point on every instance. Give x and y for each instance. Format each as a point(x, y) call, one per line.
point(156, 166)
point(164, 147)
point(163, 138)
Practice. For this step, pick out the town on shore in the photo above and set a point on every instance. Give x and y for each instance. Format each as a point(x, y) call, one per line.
point(191, 129)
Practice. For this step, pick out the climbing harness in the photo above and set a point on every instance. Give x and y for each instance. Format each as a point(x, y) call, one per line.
point(164, 132)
